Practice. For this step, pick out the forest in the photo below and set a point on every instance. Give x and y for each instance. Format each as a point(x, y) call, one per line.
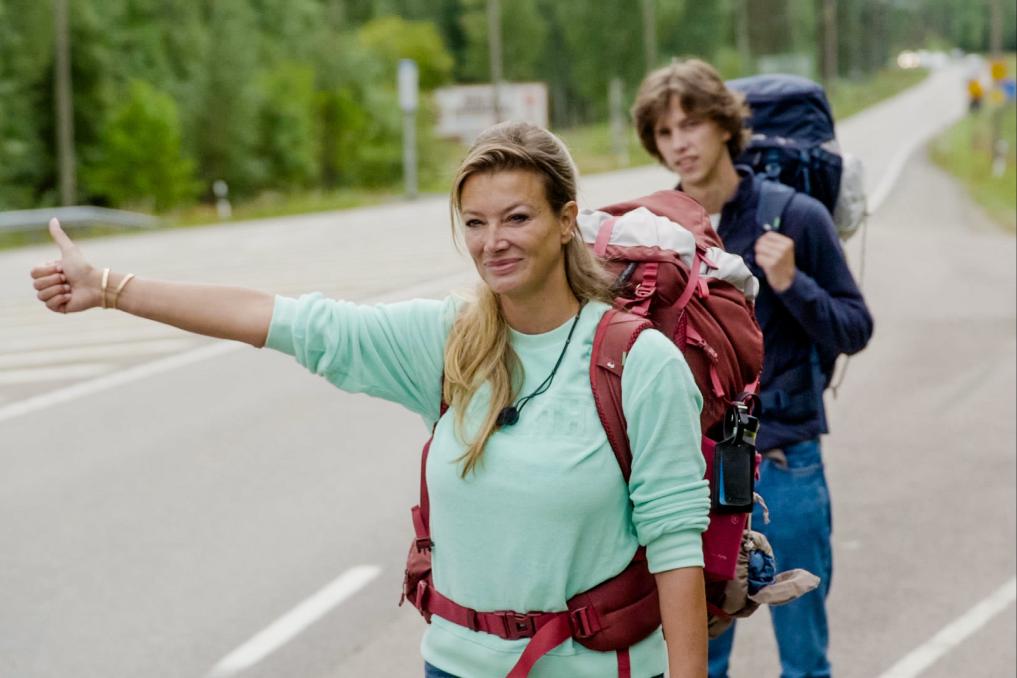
point(169, 96)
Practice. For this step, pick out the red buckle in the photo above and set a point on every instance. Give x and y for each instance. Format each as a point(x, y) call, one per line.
point(579, 620)
point(645, 291)
point(519, 626)
point(424, 544)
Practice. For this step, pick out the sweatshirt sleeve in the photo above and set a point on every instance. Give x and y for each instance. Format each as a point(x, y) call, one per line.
point(670, 497)
point(824, 298)
point(391, 351)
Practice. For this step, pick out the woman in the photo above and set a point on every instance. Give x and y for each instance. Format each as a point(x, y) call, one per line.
point(527, 504)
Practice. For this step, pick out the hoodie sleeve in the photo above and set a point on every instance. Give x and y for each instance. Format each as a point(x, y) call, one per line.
point(823, 298)
point(670, 497)
point(391, 351)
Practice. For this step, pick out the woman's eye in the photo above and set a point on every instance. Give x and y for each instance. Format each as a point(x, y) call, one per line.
point(663, 133)
point(473, 223)
point(519, 218)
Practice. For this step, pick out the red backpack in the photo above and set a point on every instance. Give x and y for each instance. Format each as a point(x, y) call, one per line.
point(689, 294)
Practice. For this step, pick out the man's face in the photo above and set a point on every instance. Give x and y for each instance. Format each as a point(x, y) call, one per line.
point(693, 147)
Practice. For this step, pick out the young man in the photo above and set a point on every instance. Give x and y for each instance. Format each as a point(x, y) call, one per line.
point(810, 311)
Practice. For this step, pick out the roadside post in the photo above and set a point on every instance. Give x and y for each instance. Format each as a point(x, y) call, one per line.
point(619, 126)
point(998, 96)
point(221, 190)
point(408, 102)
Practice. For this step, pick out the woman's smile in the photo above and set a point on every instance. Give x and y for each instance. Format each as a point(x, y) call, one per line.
point(503, 266)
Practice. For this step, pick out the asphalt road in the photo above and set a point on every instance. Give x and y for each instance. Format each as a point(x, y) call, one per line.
point(166, 501)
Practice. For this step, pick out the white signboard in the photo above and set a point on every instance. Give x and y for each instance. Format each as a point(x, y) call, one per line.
point(408, 77)
point(464, 111)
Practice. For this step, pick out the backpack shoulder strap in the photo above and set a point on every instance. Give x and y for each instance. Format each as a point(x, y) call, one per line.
point(773, 200)
point(422, 512)
point(616, 333)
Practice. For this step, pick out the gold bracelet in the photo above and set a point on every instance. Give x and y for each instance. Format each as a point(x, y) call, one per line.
point(105, 282)
point(119, 289)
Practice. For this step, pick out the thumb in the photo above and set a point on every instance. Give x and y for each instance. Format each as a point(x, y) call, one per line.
point(58, 235)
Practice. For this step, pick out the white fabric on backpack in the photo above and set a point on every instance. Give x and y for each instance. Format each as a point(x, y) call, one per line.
point(641, 227)
point(852, 208)
point(732, 268)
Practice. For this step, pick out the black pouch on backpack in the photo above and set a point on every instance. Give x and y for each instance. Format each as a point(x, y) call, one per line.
point(734, 463)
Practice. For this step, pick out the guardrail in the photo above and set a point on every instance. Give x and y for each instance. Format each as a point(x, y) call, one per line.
point(83, 215)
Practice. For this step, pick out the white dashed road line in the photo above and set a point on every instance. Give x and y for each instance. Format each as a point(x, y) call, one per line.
point(36, 375)
point(927, 654)
point(25, 359)
point(293, 622)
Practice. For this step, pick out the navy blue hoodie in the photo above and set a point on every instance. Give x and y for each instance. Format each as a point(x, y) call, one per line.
point(808, 325)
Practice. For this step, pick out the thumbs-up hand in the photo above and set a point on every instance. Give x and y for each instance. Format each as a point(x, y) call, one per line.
point(69, 284)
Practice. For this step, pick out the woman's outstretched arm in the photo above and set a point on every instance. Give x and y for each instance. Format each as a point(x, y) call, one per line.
point(72, 284)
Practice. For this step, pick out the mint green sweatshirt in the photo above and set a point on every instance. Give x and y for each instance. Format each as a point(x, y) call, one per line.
point(547, 513)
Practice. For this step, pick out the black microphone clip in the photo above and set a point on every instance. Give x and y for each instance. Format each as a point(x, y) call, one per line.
point(508, 416)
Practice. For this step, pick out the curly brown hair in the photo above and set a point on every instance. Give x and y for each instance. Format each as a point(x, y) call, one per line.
point(701, 93)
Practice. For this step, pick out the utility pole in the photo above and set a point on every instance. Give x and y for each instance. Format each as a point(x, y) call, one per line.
point(64, 105)
point(741, 20)
point(619, 126)
point(995, 29)
point(650, 34)
point(829, 43)
point(409, 86)
point(494, 47)
point(998, 71)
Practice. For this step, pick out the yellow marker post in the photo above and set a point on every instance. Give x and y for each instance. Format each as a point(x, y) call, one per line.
point(998, 70)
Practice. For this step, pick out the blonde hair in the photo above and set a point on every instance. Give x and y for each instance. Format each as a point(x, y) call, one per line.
point(701, 93)
point(478, 349)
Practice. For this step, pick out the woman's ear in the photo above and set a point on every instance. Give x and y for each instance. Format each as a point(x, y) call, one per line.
point(567, 220)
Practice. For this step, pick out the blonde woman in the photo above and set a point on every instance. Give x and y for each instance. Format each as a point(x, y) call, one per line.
point(528, 506)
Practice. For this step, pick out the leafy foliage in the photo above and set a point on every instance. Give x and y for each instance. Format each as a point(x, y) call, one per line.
point(142, 164)
point(393, 38)
point(294, 95)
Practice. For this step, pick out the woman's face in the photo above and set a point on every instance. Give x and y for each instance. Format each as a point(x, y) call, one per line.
point(513, 234)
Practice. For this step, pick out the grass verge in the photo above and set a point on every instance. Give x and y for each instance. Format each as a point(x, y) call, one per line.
point(848, 97)
point(965, 150)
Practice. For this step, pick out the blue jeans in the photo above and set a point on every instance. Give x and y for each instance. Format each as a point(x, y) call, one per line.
point(799, 532)
point(434, 672)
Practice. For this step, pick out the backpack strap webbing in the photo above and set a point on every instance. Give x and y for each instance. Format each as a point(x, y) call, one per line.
point(773, 200)
point(421, 513)
point(616, 333)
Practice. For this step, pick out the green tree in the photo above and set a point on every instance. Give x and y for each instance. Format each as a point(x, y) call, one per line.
point(603, 34)
point(140, 161)
point(288, 139)
point(524, 36)
point(227, 117)
point(173, 60)
point(25, 56)
point(392, 38)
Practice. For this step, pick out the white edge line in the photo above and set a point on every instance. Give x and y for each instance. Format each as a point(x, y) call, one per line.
point(953, 633)
point(109, 381)
point(898, 161)
point(296, 620)
point(155, 367)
